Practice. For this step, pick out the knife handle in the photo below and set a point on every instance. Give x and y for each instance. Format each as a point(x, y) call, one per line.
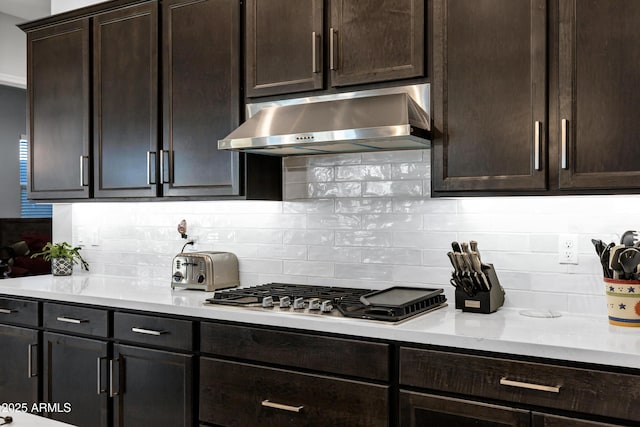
point(465, 247)
point(475, 261)
point(454, 263)
point(474, 247)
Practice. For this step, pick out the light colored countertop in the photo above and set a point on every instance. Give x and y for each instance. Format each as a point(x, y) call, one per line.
point(571, 337)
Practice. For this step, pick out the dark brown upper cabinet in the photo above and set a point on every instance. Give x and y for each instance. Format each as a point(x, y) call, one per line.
point(125, 89)
point(489, 95)
point(201, 81)
point(284, 46)
point(370, 41)
point(598, 99)
point(290, 47)
point(58, 91)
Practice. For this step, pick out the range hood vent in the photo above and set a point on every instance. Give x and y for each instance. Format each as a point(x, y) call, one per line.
point(384, 119)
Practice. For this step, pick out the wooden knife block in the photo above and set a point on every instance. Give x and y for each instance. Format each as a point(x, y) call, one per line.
point(483, 301)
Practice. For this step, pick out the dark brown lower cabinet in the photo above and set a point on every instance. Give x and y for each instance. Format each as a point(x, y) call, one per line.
point(75, 379)
point(547, 420)
point(241, 394)
point(19, 366)
point(418, 409)
point(152, 387)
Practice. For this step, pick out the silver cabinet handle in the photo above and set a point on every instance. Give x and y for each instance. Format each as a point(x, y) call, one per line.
point(564, 139)
point(288, 408)
point(70, 320)
point(148, 331)
point(149, 182)
point(536, 143)
point(7, 310)
point(530, 386)
point(162, 178)
point(314, 52)
point(81, 171)
point(112, 392)
point(333, 50)
point(100, 390)
point(30, 373)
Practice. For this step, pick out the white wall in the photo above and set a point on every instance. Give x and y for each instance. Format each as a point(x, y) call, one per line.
point(13, 52)
point(59, 6)
point(366, 220)
point(13, 123)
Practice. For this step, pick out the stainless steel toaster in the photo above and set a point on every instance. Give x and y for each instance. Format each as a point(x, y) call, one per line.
point(206, 271)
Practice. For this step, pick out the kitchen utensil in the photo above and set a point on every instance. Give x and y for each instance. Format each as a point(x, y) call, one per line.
point(465, 247)
point(614, 261)
point(604, 260)
point(599, 245)
point(629, 238)
point(474, 248)
point(456, 247)
point(629, 259)
point(454, 263)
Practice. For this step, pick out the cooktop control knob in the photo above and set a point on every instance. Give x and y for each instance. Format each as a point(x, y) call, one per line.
point(285, 302)
point(177, 277)
point(298, 303)
point(267, 302)
point(314, 304)
point(326, 306)
point(201, 278)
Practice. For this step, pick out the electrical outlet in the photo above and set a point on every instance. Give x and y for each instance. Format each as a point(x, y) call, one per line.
point(568, 249)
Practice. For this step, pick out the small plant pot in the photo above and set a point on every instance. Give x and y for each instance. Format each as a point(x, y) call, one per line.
point(61, 267)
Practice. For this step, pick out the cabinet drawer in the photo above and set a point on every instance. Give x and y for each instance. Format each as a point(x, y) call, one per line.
point(573, 389)
point(242, 394)
point(19, 311)
point(153, 330)
point(334, 355)
point(79, 320)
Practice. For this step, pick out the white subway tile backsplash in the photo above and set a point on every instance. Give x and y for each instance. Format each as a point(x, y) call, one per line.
point(336, 189)
point(392, 222)
point(393, 256)
point(364, 220)
point(309, 268)
point(308, 237)
point(378, 205)
point(363, 172)
point(392, 188)
point(363, 238)
point(335, 254)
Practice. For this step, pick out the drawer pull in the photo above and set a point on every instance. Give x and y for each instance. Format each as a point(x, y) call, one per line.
point(148, 331)
point(288, 408)
point(530, 386)
point(70, 320)
point(7, 311)
point(30, 373)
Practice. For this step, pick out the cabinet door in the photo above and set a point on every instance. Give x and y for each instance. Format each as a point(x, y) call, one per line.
point(372, 42)
point(125, 102)
point(152, 387)
point(19, 369)
point(599, 102)
point(418, 409)
point(58, 91)
point(489, 95)
point(201, 96)
point(283, 58)
point(75, 372)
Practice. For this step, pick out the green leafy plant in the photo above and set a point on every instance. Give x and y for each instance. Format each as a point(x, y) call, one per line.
point(62, 250)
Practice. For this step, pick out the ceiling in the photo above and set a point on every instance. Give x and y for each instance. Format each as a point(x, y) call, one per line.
point(26, 9)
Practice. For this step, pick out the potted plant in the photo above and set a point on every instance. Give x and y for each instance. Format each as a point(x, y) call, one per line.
point(62, 256)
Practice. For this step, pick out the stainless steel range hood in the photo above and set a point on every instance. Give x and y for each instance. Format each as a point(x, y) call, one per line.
point(383, 119)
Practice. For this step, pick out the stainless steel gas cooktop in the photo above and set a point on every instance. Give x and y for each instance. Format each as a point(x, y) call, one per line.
point(391, 305)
